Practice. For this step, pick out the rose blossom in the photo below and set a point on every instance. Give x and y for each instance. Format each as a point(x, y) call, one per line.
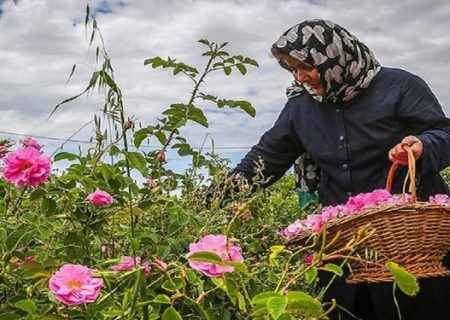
point(100, 198)
point(160, 264)
point(219, 245)
point(161, 156)
point(30, 142)
point(440, 199)
point(309, 259)
point(150, 183)
point(130, 263)
point(315, 223)
point(26, 166)
point(73, 285)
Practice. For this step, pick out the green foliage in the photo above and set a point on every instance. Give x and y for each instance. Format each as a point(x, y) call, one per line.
point(403, 279)
point(43, 228)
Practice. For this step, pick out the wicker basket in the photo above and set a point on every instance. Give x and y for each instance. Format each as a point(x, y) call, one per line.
point(415, 235)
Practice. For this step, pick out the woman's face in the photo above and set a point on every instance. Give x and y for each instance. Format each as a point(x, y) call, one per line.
point(304, 73)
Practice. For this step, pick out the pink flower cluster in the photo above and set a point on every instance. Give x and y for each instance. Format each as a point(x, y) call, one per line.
point(219, 245)
point(100, 198)
point(73, 285)
point(130, 263)
point(440, 199)
point(27, 166)
point(30, 142)
point(314, 223)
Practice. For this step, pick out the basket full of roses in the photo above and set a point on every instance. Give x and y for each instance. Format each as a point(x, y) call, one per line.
point(411, 233)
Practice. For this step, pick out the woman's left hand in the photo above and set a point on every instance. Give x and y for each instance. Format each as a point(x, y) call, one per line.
point(399, 155)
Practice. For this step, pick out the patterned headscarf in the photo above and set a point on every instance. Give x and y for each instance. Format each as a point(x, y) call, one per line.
point(346, 66)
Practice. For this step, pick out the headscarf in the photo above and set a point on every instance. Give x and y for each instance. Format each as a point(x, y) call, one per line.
point(346, 66)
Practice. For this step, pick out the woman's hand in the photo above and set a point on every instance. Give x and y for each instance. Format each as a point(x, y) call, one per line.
point(399, 155)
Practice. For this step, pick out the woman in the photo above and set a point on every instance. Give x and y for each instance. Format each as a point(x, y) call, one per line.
point(353, 117)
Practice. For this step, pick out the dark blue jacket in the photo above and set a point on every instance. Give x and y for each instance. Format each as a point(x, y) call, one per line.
point(350, 142)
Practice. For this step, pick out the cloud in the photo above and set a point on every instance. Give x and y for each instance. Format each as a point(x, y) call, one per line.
point(42, 39)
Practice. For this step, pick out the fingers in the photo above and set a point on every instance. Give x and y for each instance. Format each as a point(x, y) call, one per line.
point(398, 153)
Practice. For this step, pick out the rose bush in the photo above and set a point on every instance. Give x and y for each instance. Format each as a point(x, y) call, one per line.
point(213, 252)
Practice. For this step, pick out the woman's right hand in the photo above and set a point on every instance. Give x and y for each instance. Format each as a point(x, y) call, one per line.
point(399, 155)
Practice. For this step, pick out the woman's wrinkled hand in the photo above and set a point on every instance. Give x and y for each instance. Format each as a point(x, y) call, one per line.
point(399, 155)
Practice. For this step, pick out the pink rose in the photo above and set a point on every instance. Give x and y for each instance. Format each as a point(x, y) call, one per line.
point(100, 198)
point(161, 156)
point(440, 199)
point(150, 183)
point(367, 200)
point(30, 142)
point(309, 258)
point(160, 264)
point(26, 166)
point(73, 285)
point(130, 263)
point(294, 229)
point(219, 245)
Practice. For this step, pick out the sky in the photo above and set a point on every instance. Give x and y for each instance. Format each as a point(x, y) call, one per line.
point(40, 41)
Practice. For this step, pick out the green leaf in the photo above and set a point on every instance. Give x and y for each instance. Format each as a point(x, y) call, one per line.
point(135, 244)
point(303, 303)
point(231, 287)
point(227, 70)
point(276, 306)
point(26, 305)
point(404, 279)
point(10, 316)
point(3, 234)
point(162, 299)
point(197, 115)
point(14, 239)
point(171, 314)
point(310, 275)
point(276, 249)
point(263, 297)
point(37, 194)
point(205, 42)
point(238, 266)
point(247, 107)
point(205, 256)
point(48, 205)
point(137, 161)
point(331, 267)
point(73, 246)
point(161, 137)
point(52, 317)
point(91, 84)
point(65, 155)
point(241, 68)
point(154, 62)
point(140, 135)
point(248, 60)
point(173, 285)
point(241, 302)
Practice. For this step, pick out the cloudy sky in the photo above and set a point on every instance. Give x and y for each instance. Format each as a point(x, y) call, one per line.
point(40, 40)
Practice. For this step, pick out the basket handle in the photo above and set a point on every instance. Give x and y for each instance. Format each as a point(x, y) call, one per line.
point(411, 175)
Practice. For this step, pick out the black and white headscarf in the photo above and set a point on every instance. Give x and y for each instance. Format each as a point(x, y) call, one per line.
point(346, 66)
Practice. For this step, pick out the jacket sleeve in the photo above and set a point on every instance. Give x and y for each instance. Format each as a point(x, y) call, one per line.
point(422, 115)
point(278, 148)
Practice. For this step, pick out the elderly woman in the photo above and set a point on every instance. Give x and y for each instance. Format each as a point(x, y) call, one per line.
point(352, 117)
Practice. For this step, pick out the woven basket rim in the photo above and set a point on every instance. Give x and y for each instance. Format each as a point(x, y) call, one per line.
point(418, 205)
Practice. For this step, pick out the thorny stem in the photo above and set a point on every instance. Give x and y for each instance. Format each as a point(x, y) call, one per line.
point(191, 99)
